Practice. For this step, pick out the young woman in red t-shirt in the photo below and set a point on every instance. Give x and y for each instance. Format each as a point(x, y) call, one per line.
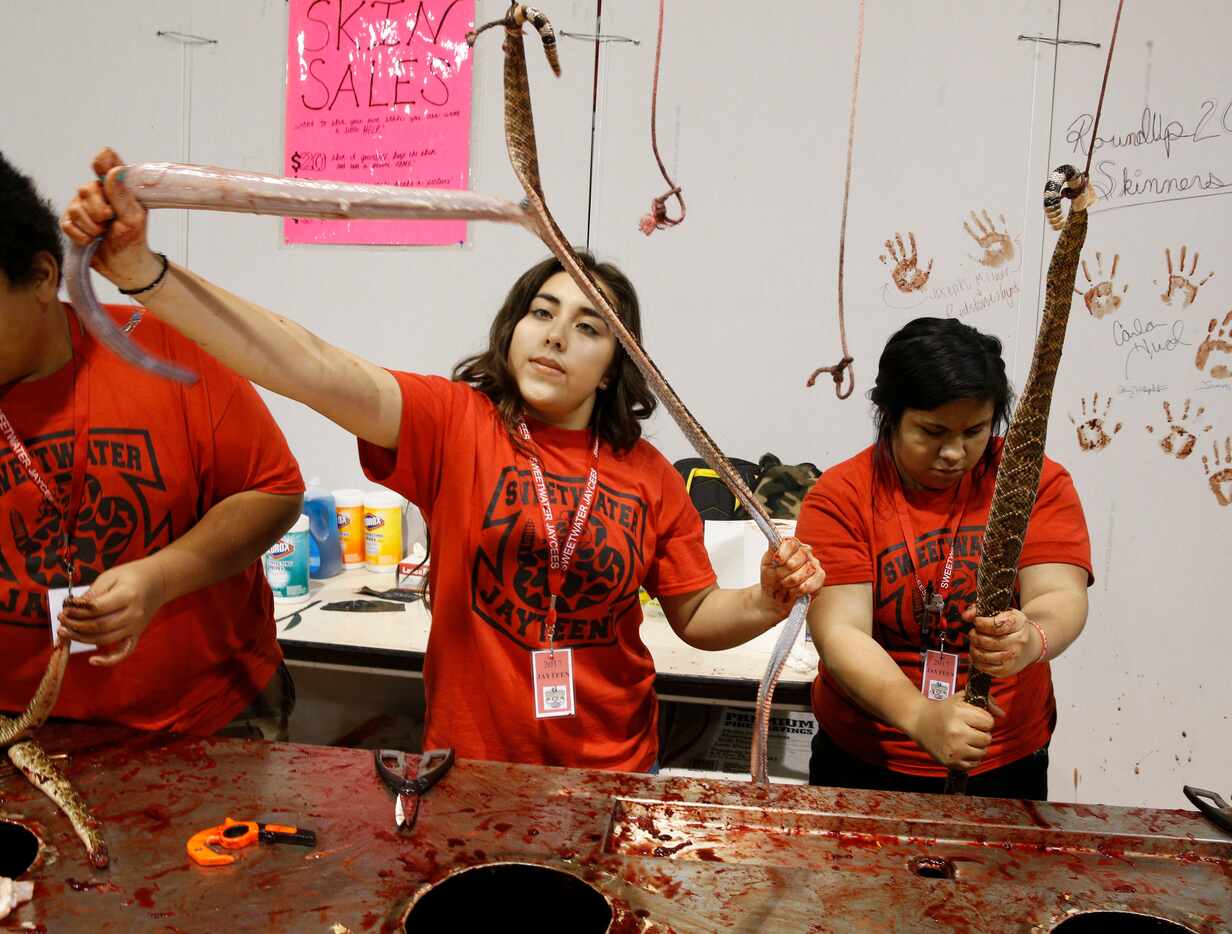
point(888, 696)
point(546, 508)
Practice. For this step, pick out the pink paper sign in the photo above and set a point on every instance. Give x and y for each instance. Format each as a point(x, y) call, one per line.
point(380, 93)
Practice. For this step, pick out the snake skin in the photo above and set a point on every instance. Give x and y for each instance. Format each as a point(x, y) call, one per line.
point(1022, 458)
point(34, 763)
point(13, 729)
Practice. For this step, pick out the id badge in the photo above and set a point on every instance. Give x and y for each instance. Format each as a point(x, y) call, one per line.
point(55, 603)
point(552, 676)
point(940, 674)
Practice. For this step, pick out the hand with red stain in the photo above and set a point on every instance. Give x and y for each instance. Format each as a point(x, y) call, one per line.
point(907, 275)
point(116, 610)
point(1179, 441)
point(788, 573)
point(1181, 281)
point(997, 245)
point(1003, 645)
point(1102, 297)
point(1217, 343)
point(106, 208)
point(1092, 435)
point(1220, 481)
point(953, 732)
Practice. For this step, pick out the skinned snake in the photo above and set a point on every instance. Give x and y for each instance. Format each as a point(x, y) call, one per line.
point(1022, 457)
point(162, 185)
point(171, 185)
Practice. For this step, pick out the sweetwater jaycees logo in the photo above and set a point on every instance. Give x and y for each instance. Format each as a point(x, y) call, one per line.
point(121, 509)
point(509, 576)
point(892, 593)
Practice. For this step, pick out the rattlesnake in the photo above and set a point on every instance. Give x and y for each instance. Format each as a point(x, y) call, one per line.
point(1022, 457)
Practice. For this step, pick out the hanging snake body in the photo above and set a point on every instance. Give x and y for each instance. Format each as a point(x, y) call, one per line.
point(15, 729)
point(1022, 457)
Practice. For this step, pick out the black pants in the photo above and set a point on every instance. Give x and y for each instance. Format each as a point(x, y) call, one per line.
point(269, 714)
point(1026, 778)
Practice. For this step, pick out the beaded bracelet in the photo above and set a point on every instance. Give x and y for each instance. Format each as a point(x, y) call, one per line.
point(1043, 655)
point(157, 280)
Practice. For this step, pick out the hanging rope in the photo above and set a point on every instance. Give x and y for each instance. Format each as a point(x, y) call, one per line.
point(657, 219)
point(844, 368)
point(1099, 107)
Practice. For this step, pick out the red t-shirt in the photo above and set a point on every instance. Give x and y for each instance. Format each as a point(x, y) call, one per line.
point(159, 455)
point(488, 578)
point(859, 541)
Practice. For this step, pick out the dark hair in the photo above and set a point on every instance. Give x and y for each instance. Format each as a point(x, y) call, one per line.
point(619, 408)
point(27, 226)
point(931, 362)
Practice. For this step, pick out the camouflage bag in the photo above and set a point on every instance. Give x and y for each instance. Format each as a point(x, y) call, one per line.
point(781, 487)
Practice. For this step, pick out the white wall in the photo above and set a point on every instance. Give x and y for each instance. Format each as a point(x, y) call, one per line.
point(955, 114)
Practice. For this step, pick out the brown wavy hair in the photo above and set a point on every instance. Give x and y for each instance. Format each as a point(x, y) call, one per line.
point(619, 409)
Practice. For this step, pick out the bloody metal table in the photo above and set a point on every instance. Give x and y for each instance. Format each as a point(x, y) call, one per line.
point(605, 851)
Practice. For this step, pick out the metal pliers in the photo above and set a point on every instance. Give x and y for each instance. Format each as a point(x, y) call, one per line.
point(1213, 807)
point(433, 764)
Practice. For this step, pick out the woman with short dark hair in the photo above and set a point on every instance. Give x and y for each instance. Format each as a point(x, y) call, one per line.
point(899, 529)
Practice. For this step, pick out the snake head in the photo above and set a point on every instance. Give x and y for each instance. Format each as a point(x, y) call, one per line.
point(514, 17)
point(547, 35)
point(1065, 181)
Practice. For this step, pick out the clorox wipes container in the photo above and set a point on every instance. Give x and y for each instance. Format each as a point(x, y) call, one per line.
point(286, 564)
point(349, 506)
point(382, 531)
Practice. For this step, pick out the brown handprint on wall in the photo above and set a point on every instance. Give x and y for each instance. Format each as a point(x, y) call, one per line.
point(1180, 281)
point(1216, 349)
point(907, 275)
point(1091, 433)
point(1179, 440)
point(997, 246)
point(1101, 298)
point(1221, 480)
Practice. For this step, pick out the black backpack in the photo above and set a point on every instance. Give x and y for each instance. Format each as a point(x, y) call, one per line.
point(710, 495)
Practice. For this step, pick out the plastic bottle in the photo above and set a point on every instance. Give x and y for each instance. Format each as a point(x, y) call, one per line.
point(382, 531)
point(325, 559)
point(286, 564)
point(349, 506)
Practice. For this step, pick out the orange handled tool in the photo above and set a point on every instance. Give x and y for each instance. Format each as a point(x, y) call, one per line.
point(237, 834)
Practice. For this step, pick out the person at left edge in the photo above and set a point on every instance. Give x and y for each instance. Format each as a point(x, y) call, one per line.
point(183, 489)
